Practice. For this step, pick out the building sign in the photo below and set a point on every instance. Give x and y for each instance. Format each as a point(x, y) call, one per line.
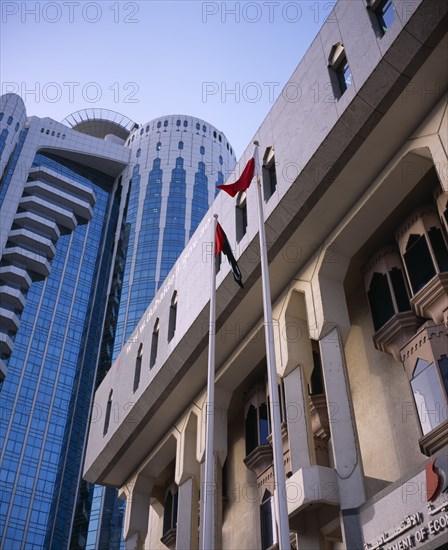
point(413, 530)
point(423, 500)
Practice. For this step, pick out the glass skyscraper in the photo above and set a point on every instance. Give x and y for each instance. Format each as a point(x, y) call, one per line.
point(94, 213)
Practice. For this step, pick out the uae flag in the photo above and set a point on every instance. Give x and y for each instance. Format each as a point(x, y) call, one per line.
point(222, 245)
point(245, 180)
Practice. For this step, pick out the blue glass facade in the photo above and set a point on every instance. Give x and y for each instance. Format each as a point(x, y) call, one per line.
point(178, 162)
point(174, 232)
point(200, 197)
point(47, 393)
point(74, 320)
point(143, 289)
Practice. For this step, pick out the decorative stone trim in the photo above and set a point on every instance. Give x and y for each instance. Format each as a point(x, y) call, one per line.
point(259, 459)
point(432, 300)
point(169, 539)
point(435, 440)
point(396, 332)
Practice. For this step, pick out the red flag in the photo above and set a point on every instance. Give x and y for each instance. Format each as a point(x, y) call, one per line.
point(243, 183)
point(222, 245)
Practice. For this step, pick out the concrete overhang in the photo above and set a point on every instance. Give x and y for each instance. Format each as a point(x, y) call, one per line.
point(310, 488)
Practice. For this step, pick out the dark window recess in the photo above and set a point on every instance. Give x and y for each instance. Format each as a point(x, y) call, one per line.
point(251, 430)
point(224, 477)
point(170, 512)
point(263, 424)
point(138, 367)
point(418, 262)
point(172, 317)
point(380, 300)
point(316, 385)
point(241, 220)
point(385, 14)
point(283, 412)
point(154, 345)
point(443, 366)
point(267, 535)
point(269, 180)
point(439, 248)
point(108, 411)
point(344, 74)
point(399, 288)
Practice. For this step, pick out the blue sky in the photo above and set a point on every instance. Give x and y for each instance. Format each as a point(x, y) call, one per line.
point(224, 62)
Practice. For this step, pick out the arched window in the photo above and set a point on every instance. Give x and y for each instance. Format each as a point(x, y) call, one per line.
point(241, 216)
point(269, 174)
point(138, 367)
point(380, 300)
point(386, 289)
point(257, 427)
point(422, 247)
point(154, 344)
point(108, 411)
point(383, 14)
point(429, 386)
point(424, 358)
point(172, 317)
point(170, 511)
point(417, 259)
point(266, 521)
point(251, 429)
point(340, 72)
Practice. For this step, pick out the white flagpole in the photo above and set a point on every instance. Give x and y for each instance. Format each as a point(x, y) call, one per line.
point(209, 486)
point(281, 507)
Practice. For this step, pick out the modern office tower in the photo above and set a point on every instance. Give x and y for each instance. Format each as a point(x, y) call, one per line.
point(355, 206)
point(66, 192)
point(176, 163)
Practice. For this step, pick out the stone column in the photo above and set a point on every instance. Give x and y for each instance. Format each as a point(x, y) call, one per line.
point(222, 399)
point(344, 442)
point(138, 495)
point(187, 516)
point(299, 431)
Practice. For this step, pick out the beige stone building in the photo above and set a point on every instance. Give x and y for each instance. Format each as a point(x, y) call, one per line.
point(355, 180)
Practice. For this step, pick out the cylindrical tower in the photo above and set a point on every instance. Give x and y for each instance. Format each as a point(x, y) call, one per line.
point(176, 163)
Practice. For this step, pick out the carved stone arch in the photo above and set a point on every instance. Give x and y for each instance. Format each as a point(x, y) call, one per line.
point(188, 448)
point(293, 336)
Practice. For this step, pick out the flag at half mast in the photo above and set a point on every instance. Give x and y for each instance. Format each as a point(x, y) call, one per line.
point(222, 245)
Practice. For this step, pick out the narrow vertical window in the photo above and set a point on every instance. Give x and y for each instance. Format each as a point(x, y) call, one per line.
point(340, 72)
point(173, 317)
point(344, 74)
point(429, 395)
point(266, 523)
point(418, 261)
point(108, 411)
point(138, 367)
point(154, 344)
point(269, 174)
point(170, 511)
point(241, 217)
point(385, 15)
